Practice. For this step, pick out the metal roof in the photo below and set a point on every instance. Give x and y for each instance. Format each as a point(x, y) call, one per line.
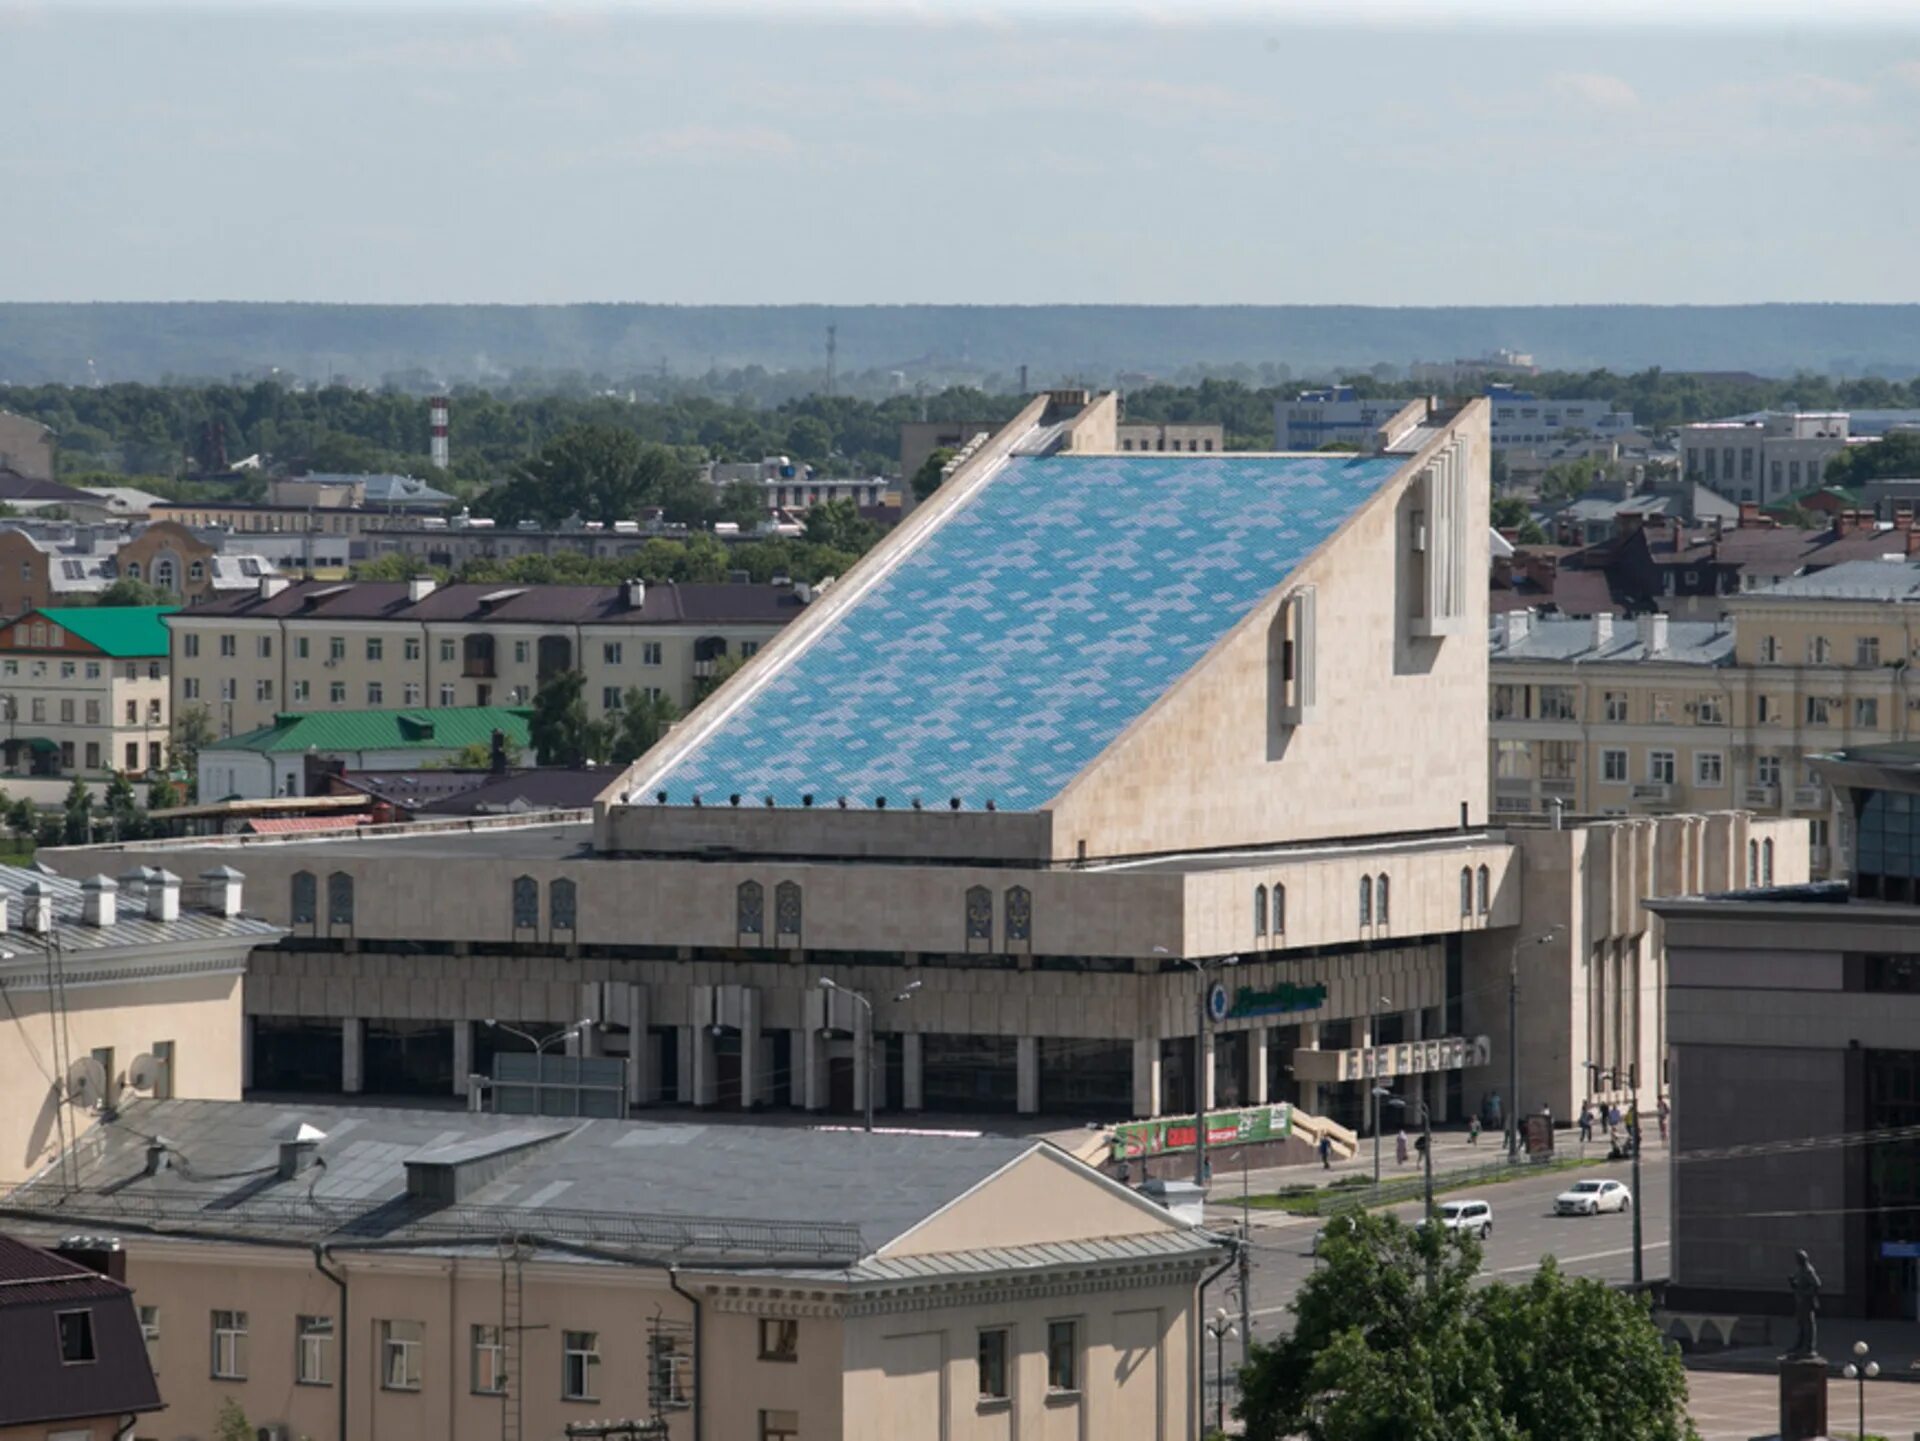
point(1892, 579)
point(1051, 1256)
point(413, 728)
point(1549, 638)
point(116, 630)
point(131, 928)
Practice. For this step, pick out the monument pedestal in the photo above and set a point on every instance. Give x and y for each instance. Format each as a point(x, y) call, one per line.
point(1803, 1398)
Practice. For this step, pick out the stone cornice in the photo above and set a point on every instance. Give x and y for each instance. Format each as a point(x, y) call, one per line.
point(81, 972)
point(929, 1293)
point(752, 1299)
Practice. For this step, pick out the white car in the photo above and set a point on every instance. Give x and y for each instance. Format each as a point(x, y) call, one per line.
point(1590, 1198)
point(1472, 1218)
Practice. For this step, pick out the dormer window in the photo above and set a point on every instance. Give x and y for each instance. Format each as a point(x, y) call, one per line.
point(76, 1337)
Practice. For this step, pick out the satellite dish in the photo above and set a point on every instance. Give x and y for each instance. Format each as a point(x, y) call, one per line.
point(143, 1072)
point(87, 1083)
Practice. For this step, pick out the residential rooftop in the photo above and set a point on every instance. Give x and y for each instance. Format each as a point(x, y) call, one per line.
point(121, 631)
point(663, 603)
point(1893, 579)
point(1555, 638)
point(414, 728)
point(997, 655)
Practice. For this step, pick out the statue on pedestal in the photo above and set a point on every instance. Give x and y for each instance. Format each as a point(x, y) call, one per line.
point(1805, 1285)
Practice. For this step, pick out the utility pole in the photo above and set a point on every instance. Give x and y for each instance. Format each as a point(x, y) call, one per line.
point(1200, 1077)
point(1513, 1053)
point(1633, 1077)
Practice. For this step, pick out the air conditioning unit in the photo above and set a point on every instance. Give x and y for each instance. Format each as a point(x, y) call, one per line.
point(275, 1432)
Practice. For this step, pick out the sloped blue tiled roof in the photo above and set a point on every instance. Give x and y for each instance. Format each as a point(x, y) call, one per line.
point(1026, 630)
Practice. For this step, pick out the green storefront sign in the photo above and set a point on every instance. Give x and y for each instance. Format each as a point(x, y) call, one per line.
point(1276, 1000)
point(1224, 1128)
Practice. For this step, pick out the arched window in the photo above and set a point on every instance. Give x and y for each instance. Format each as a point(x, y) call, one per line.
point(1766, 862)
point(306, 899)
point(750, 909)
point(1466, 890)
point(979, 914)
point(339, 899)
point(1753, 863)
point(197, 571)
point(163, 573)
point(1366, 900)
point(1380, 900)
point(563, 901)
point(1019, 915)
point(786, 908)
point(1279, 910)
point(133, 570)
point(526, 903)
point(1486, 890)
point(1259, 910)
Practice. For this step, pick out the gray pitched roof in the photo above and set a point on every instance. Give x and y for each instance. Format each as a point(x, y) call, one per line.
point(1854, 580)
point(1689, 642)
point(131, 928)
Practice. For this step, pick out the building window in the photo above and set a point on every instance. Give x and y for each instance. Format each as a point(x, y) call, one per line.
point(190, 645)
point(300, 647)
point(609, 697)
point(1616, 706)
point(1753, 863)
point(526, 904)
point(336, 647)
point(1063, 1356)
point(76, 1337)
point(561, 899)
point(1259, 910)
point(400, 1346)
point(610, 652)
point(1509, 702)
point(263, 690)
point(1766, 770)
point(301, 690)
point(1710, 710)
point(313, 1350)
point(749, 649)
point(337, 692)
point(1366, 900)
point(150, 1333)
point(1819, 710)
point(993, 1365)
point(579, 1363)
point(779, 1339)
point(1613, 766)
point(1866, 650)
point(339, 899)
point(410, 647)
point(1381, 911)
point(1819, 651)
point(979, 914)
point(376, 693)
point(486, 1361)
point(1466, 890)
point(1866, 712)
point(446, 695)
point(668, 1363)
point(1709, 768)
point(779, 1426)
point(376, 648)
point(1660, 767)
point(411, 693)
point(1485, 879)
point(1279, 910)
point(446, 652)
point(749, 904)
point(1766, 862)
point(229, 646)
point(1019, 914)
point(786, 909)
point(1557, 703)
point(650, 652)
point(521, 652)
point(230, 1345)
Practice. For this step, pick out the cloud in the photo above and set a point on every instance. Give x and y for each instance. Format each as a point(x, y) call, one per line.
point(1604, 92)
point(710, 142)
point(1907, 72)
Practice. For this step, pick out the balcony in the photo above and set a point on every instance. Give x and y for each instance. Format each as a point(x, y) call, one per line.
point(1513, 804)
point(1807, 798)
point(1763, 797)
point(1653, 792)
point(1558, 785)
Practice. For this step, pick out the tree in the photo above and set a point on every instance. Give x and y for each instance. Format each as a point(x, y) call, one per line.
point(1510, 513)
point(23, 818)
point(129, 822)
point(1392, 1341)
point(926, 480)
point(162, 794)
point(1896, 456)
point(837, 525)
point(77, 828)
point(129, 591)
point(232, 1423)
point(600, 473)
point(706, 685)
point(192, 730)
point(643, 720)
point(560, 729)
point(479, 756)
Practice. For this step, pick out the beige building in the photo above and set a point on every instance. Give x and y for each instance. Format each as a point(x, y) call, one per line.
point(356, 1284)
point(26, 447)
point(372, 645)
point(1037, 777)
point(1763, 458)
point(83, 690)
point(146, 999)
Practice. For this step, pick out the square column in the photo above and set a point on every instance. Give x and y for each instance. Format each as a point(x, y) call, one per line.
point(643, 1072)
point(1146, 1076)
point(810, 1054)
point(1205, 1080)
point(753, 1074)
point(353, 1040)
point(246, 1053)
point(912, 1076)
point(1310, 1090)
point(462, 1055)
point(1027, 1075)
point(1257, 1066)
point(696, 1048)
point(863, 1058)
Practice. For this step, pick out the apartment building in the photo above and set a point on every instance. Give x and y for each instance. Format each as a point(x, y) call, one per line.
point(387, 1272)
point(1765, 457)
point(146, 1002)
point(277, 759)
point(1517, 419)
point(375, 645)
point(84, 690)
point(270, 516)
point(1032, 775)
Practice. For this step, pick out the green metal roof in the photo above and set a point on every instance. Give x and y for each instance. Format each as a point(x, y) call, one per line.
point(417, 728)
point(116, 630)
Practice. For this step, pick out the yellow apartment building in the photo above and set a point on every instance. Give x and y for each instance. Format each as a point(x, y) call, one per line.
point(84, 691)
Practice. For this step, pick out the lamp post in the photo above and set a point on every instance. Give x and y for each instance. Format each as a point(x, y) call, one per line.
point(1513, 1036)
point(827, 983)
point(1200, 1078)
point(481, 1086)
point(1860, 1371)
point(1379, 1094)
point(540, 1043)
point(1220, 1327)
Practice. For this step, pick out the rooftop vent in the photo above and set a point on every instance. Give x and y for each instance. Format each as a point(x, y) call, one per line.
point(163, 897)
point(223, 890)
point(633, 593)
point(36, 907)
point(299, 1151)
point(99, 897)
point(419, 587)
point(447, 1175)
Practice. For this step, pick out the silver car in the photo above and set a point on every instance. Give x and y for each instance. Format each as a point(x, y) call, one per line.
point(1590, 1198)
point(1473, 1218)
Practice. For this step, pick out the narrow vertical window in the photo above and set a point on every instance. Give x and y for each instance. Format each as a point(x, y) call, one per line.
point(1259, 910)
point(749, 906)
point(1766, 862)
point(1753, 863)
point(787, 909)
point(1380, 901)
point(1466, 890)
point(1279, 910)
point(339, 899)
point(526, 904)
point(563, 902)
point(305, 898)
point(1486, 890)
point(1366, 900)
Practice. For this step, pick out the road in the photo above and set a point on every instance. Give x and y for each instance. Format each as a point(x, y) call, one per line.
point(1524, 1230)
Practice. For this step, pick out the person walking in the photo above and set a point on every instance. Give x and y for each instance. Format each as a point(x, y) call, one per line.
point(1400, 1148)
point(1473, 1131)
point(1665, 1111)
point(1586, 1122)
point(1326, 1152)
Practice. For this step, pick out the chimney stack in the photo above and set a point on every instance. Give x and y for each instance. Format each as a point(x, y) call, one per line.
point(419, 587)
point(99, 901)
point(36, 908)
point(634, 593)
point(163, 896)
point(1602, 629)
point(437, 445)
point(223, 890)
point(1653, 633)
point(272, 585)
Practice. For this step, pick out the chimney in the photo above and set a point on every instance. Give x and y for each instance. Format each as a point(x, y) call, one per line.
point(1602, 629)
point(272, 585)
point(223, 890)
point(297, 1152)
point(1749, 514)
point(163, 896)
point(99, 901)
point(497, 755)
point(1903, 516)
point(419, 587)
point(1516, 626)
point(101, 1254)
point(1913, 541)
point(1653, 633)
point(633, 593)
point(437, 449)
point(36, 908)
point(6, 913)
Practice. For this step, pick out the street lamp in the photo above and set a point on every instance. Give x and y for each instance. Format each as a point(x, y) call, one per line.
point(1860, 1371)
point(540, 1043)
point(1200, 1078)
point(1380, 1093)
point(827, 983)
point(1220, 1327)
point(1513, 1035)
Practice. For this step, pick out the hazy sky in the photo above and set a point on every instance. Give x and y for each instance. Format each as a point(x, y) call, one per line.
point(940, 151)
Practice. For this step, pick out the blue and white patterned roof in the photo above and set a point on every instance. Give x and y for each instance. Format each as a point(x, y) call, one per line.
point(1026, 630)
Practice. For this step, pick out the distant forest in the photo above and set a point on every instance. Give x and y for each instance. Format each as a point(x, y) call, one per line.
point(782, 350)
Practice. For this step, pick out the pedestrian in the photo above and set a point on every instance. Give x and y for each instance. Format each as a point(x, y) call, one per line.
point(1665, 1111)
point(1473, 1131)
point(1400, 1148)
point(1586, 1122)
point(1613, 1118)
point(1326, 1152)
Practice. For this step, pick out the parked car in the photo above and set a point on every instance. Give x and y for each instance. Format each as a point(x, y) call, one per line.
point(1474, 1218)
point(1590, 1198)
